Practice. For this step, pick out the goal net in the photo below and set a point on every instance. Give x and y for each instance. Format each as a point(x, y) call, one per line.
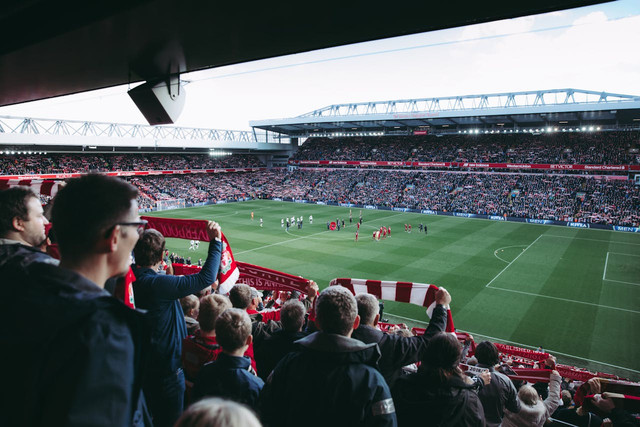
point(163, 205)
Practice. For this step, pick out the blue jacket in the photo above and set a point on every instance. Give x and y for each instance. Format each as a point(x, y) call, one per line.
point(331, 380)
point(77, 358)
point(229, 377)
point(159, 294)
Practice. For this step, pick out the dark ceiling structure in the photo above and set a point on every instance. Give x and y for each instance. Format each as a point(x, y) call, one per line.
point(53, 48)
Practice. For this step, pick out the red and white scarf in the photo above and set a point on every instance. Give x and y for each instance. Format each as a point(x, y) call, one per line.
point(409, 292)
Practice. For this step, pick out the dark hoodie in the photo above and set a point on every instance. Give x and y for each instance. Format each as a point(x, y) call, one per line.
point(419, 401)
point(76, 358)
point(331, 380)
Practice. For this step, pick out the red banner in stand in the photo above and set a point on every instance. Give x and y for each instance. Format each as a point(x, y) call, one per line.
point(474, 165)
point(261, 278)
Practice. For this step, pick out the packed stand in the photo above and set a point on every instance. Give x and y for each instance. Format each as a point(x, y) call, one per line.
point(608, 148)
point(539, 196)
point(84, 163)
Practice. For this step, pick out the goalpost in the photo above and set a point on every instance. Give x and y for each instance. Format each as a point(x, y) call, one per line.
point(163, 205)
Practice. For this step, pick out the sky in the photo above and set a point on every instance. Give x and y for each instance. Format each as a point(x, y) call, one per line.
point(592, 48)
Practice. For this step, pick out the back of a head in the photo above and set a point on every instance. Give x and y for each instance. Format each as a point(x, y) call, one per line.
point(211, 307)
point(149, 249)
point(86, 207)
point(336, 310)
point(188, 303)
point(528, 395)
point(233, 327)
point(487, 353)
point(368, 307)
point(442, 356)
point(566, 397)
point(292, 315)
point(240, 296)
point(216, 412)
point(13, 203)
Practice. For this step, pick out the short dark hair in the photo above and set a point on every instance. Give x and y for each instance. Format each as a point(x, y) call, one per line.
point(149, 248)
point(487, 353)
point(233, 327)
point(292, 315)
point(336, 310)
point(240, 296)
point(13, 203)
point(85, 209)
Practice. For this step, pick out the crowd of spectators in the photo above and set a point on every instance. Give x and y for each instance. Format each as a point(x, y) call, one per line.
point(24, 164)
point(539, 196)
point(99, 361)
point(608, 148)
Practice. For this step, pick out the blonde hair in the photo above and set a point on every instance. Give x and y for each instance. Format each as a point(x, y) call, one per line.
point(528, 395)
point(216, 412)
point(211, 307)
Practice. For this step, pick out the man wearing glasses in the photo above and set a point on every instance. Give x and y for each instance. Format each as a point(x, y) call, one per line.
point(76, 357)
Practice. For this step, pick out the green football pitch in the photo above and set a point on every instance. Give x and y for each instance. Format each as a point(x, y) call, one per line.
point(575, 292)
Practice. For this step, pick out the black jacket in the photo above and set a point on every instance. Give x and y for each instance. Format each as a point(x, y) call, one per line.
point(499, 394)
point(78, 356)
point(398, 351)
point(273, 349)
point(420, 402)
point(330, 381)
point(15, 254)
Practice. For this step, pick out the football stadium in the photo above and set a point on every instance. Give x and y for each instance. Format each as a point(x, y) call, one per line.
point(474, 254)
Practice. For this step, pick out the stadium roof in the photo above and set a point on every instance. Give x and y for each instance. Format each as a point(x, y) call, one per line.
point(564, 108)
point(53, 48)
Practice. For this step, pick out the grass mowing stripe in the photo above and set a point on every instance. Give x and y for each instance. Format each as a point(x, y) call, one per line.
point(566, 299)
point(520, 344)
point(614, 242)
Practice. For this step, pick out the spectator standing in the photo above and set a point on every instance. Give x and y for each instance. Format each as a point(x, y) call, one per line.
point(333, 371)
point(76, 359)
point(22, 228)
point(281, 342)
point(397, 351)
point(439, 392)
point(533, 410)
point(500, 393)
point(159, 294)
point(190, 307)
point(230, 375)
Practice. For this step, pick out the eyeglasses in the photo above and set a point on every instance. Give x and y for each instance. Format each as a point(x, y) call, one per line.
point(141, 225)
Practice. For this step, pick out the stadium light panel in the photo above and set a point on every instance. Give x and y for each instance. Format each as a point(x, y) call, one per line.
point(591, 128)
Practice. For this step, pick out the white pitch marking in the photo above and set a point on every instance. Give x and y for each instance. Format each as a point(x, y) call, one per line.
point(495, 253)
point(522, 345)
point(566, 299)
point(514, 260)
